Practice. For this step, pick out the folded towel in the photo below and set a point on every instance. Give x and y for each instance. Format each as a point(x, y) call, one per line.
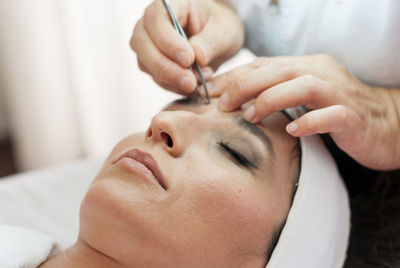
point(24, 248)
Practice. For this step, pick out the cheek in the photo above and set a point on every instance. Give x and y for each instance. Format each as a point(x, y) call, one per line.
point(229, 208)
point(118, 220)
point(111, 203)
point(100, 218)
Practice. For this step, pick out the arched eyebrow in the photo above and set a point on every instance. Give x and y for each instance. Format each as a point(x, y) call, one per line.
point(189, 100)
point(257, 132)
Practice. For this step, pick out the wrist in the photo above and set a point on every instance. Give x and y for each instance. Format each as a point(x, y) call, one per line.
point(394, 95)
point(218, 48)
point(391, 98)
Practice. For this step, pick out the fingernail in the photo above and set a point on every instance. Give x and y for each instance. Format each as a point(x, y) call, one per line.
point(186, 84)
point(224, 101)
point(249, 114)
point(182, 58)
point(292, 128)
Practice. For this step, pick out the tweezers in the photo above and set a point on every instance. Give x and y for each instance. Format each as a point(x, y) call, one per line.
point(180, 30)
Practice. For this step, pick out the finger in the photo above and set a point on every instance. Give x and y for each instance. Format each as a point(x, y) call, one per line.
point(342, 123)
point(207, 73)
point(306, 90)
point(160, 67)
point(161, 84)
point(219, 84)
point(217, 39)
point(142, 67)
point(172, 88)
point(266, 73)
point(159, 26)
point(338, 120)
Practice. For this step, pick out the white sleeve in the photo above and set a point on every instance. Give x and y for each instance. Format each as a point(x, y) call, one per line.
point(242, 7)
point(365, 42)
point(23, 248)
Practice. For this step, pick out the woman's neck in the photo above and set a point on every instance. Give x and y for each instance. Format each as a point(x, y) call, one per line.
point(81, 255)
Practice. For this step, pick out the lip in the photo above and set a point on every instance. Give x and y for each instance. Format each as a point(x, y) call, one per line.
point(142, 163)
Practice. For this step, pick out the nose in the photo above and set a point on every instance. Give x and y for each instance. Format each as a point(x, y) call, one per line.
point(174, 130)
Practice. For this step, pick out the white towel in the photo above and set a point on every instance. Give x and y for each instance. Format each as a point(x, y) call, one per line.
point(24, 248)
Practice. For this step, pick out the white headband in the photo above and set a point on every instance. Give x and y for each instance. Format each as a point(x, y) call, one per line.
point(317, 229)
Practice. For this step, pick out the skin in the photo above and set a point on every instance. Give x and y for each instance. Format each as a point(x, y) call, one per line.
point(363, 120)
point(165, 55)
point(214, 213)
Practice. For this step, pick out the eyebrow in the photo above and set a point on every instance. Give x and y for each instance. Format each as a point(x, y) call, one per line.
point(189, 100)
point(240, 121)
point(256, 131)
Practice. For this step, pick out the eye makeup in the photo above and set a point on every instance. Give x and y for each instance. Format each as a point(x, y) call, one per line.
point(237, 156)
point(257, 132)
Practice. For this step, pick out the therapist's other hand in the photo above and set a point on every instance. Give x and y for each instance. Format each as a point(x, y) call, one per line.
point(215, 33)
point(362, 120)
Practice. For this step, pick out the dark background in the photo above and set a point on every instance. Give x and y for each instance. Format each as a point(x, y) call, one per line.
point(7, 163)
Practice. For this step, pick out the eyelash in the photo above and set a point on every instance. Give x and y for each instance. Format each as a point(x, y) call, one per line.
point(238, 157)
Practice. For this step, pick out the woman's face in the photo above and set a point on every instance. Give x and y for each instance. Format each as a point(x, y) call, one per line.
point(200, 188)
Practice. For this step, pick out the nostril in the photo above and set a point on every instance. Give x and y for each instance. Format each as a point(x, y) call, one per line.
point(149, 133)
point(167, 139)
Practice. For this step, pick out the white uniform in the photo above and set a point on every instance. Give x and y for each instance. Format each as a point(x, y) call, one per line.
point(363, 35)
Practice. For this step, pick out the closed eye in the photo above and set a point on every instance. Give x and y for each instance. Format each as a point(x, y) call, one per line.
point(237, 156)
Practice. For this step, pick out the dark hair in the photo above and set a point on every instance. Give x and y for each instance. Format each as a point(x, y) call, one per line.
point(295, 180)
point(375, 212)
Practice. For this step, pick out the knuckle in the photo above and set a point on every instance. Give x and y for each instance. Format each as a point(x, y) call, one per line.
point(134, 39)
point(290, 69)
point(239, 87)
point(161, 73)
point(309, 80)
point(166, 40)
point(159, 83)
point(141, 66)
point(132, 43)
point(266, 101)
point(342, 113)
point(137, 37)
point(229, 79)
point(312, 85)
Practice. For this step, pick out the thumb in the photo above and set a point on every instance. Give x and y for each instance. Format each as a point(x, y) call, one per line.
point(217, 41)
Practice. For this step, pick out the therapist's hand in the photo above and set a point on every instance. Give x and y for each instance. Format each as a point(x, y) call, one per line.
point(215, 33)
point(363, 121)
